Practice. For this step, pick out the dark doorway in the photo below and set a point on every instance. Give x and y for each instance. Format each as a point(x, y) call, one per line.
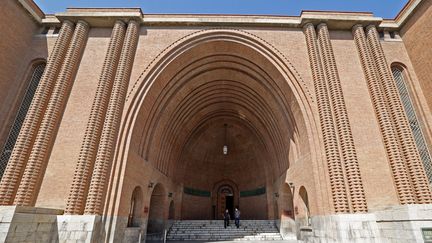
point(229, 204)
point(171, 211)
point(157, 215)
point(227, 198)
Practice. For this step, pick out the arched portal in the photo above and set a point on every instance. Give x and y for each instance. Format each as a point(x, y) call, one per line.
point(286, 213)
point(136, 205)
point(303, 210)
point(213, 89)
point(225, 195)
point(286, 202)
point(225, 200)
point(157, 216)
point(171, 211)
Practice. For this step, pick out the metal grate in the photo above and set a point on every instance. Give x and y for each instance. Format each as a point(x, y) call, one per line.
point(19, 119)
point(413, 121)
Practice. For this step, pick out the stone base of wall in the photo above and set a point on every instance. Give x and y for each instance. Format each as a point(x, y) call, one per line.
point(394, 224)
point(133, 234)
point(31, 224)
point(404, 223)
point(80, 228)
point(28, 224)
point(343, 228)
point(287, 228)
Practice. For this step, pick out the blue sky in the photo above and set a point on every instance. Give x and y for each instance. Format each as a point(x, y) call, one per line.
point(381, 8)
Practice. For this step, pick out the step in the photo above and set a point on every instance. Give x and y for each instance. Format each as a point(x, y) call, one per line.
point(213, 230)
point(230, 235)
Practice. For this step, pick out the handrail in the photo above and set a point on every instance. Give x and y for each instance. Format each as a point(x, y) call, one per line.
point(163, 234)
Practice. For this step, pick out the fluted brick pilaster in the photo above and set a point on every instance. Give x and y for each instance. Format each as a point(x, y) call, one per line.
point(396, 160)
point(104, 157)
point(38, 157)
point(18, 160)
point(337, 182)
point(400, 122)
point(89, 146)
point(346, 140)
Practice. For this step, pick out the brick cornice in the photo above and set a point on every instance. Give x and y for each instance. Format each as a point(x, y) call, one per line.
point(33, 9)
point(105, 17)
point(101, 17)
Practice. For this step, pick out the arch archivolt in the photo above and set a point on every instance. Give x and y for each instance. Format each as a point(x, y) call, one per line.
point(216, 75)
point(188, 41)
point(210, 99)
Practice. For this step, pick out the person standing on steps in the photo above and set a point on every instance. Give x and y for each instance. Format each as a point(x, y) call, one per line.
point(237, 217)
point(226, 218)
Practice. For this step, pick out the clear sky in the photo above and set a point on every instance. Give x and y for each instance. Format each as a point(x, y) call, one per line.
point(381, 8)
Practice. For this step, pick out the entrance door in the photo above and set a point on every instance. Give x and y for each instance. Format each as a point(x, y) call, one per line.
point(229, 204)
point(225, 195)
point(226, 200)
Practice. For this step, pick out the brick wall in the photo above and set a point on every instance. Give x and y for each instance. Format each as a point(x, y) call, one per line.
point(17, 29)
point(417, 37)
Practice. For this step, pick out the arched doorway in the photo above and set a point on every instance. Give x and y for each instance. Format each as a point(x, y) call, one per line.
point(225, 196)
point(178, 108)
point(276, 209)
point(225, 200)
point(286, 215)
point(287, 203)
point(303, 207)
point(136, 208)
point(157, 216)
point(171, 211)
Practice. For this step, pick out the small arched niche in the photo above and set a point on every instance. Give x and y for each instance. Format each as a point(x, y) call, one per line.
point(286, 201)
point(303, 211)
point(171, 211)
point(136, 205)
point(157, 209)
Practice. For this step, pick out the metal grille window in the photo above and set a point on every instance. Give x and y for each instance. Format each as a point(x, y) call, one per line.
point(19, 119)
point(413, 121)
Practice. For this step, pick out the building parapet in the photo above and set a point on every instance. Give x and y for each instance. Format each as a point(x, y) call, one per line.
point(105, 17)
point(101, 17)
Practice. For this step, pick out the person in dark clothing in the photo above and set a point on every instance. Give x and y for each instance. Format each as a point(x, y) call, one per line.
point(237, 217)
point(226, 218)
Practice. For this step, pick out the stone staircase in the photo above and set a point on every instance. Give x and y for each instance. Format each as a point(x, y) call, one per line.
point(213, 230)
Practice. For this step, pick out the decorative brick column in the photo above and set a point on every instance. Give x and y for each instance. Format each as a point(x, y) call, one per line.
point(337, 182)
point(400, 122)
point(347, 147)
point(396, 160)
point(104, 157)
point(39, 155)
point(89, 146)
point(18, 160)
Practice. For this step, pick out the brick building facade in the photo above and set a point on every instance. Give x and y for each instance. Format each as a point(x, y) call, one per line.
point(113, 122)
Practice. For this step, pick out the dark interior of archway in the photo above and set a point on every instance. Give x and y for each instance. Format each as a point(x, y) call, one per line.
point(156, 218)
point(184, 116)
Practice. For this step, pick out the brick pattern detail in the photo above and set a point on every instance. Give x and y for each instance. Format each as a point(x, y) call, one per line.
point(89, 146)
point(36, 164)
point(347, 147)
point(18, 160)
point(396, 161)
point(400, 122)
point(104, 157)
point(337, 182)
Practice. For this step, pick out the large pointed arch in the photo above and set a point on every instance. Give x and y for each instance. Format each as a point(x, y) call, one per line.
point(282, 116)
